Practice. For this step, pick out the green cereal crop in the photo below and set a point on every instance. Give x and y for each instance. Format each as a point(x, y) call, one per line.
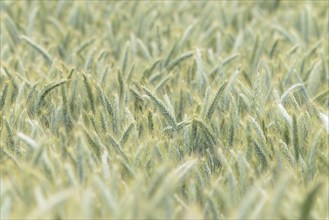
point(164, 109)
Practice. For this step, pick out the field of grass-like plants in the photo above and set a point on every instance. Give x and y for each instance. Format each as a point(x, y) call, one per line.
point(164, 109)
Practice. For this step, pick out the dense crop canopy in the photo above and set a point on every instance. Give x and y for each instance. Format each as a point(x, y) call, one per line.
point(167, 109)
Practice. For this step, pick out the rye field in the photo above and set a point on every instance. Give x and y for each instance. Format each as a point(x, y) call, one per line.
point(164, 109)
